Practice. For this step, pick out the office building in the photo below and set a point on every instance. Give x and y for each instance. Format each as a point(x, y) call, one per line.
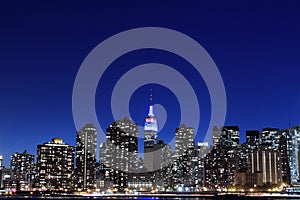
point(120, 153)
point(270, 137)
point(268, 162)
point(293, 148)
point(184, 139)
point(1, 160)
point(1, 167)
point(86, 145)
point(252, 138)
point(55, 165)
point(221, 162)
point(151, 149)
point(23, 169)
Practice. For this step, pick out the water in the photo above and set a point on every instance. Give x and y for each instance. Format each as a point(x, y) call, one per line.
point(146, 198)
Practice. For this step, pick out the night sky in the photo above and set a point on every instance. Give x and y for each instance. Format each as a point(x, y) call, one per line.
point(255, 45)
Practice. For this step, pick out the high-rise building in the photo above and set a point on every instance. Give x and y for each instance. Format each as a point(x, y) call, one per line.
point(221, 162)
point(1, 160)
point(184, 139)
point(150, 128)
point(285, 150)
point(252, 137)
point(231, 134)
point(294, 160)
point(270, 136)
point(86, 145)
point(216, 133)
point(268, 162)
point(120, 152)
point(184, 149)
point(55, 165)
point(22, 168)
point(195, 175)
point(151, 148)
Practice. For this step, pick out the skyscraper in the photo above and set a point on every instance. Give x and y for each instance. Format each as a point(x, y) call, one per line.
point(252, 138)
point(151, 149)
point(22, 168)
point(1, 159)
point(231, 134)
point(268, 162)
point(86, 144)
point(194, 176)
point(150, 128)
point(221, 162)
point(270, 136)
point(55, 165)
point(184, 139)
point(294, 156)
point(184, 146)
point(120, 152)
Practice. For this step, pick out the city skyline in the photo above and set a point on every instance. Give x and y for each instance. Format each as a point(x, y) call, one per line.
point(253, 44)
point(267, 161)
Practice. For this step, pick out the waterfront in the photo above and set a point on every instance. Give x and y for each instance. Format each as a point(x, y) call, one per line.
point(267, 196)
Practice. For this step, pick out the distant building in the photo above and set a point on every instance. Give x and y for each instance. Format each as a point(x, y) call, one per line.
point(151, 150)
point(248, 179)
point(221, 163)
point(288, 160)
point(216, 134)
point(1, 167)
point(294, 161)
point(1, 160)
point(86, 146)
point(120, 153)
point(184, 139)
point(23, 169)
point(184, 147)
point(268, 162)
point(195, 175)
point(55, 165)
point(270, 137)
point(150, 128)
point(7, 182)
point(231, 135)
point(252, 138)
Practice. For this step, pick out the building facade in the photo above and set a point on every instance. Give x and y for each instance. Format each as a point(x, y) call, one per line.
point(221, 163)
point(55, 165)
point(119, 153)
point(23, 169)
point(151, 150)
point(86, 148)
point(267, 161)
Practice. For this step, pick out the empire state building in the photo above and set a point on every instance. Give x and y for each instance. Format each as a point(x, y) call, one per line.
point(152, 153)
point(150, 128)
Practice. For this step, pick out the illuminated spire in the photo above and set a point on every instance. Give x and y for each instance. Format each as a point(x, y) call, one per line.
point(150, 97)
point(151, 114)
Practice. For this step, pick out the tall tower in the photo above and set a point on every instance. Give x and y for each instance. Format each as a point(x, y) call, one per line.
point(86, 144)
point(152, 149)
point(120, 152)
point(1, 158)
point(150, 128)
point(184, 139)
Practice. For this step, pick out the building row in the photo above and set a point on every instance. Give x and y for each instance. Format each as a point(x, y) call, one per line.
point(268, 159)
point(55, 168)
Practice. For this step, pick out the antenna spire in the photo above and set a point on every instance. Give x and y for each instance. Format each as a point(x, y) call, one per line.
point(151, 97)
point(151, 114)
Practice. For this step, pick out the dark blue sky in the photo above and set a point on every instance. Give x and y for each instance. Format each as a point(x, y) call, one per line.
point(255, 45)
